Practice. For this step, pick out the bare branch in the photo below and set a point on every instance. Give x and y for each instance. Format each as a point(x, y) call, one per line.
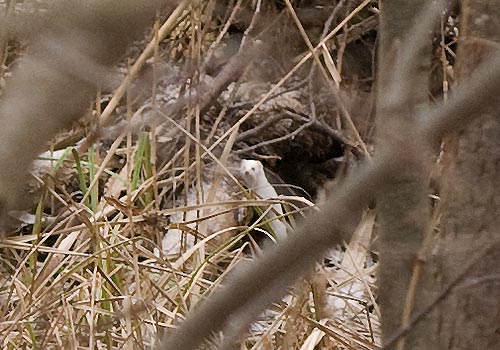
point(231, 72)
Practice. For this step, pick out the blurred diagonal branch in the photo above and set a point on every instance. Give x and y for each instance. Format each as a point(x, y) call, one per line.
point(265, 280)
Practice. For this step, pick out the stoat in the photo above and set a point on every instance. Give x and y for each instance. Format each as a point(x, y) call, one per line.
point(252, 172)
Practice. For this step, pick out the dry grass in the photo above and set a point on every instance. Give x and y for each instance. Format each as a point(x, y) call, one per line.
point(85, 269)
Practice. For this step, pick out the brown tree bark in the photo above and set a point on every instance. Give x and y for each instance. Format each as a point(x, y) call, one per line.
point(470, 316)
point(403, 210)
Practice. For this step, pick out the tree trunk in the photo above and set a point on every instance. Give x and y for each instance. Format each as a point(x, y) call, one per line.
point(470, 316)
point(403, 212)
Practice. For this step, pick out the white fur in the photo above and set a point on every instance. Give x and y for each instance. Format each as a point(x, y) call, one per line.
point(253, 173)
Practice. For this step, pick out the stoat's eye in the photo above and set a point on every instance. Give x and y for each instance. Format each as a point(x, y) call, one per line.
point(253, 169)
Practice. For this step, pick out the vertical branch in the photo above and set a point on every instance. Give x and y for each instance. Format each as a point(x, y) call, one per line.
point(403, 210)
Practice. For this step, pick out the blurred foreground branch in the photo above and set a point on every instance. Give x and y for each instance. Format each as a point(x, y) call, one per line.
point(251, 289)
point(69, 59)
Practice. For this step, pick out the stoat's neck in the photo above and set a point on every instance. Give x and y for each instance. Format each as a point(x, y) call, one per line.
point(261, 177)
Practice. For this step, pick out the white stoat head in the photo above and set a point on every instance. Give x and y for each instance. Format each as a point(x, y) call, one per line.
point(252, 171)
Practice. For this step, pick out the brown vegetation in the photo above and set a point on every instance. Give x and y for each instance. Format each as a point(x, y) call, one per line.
point(137, 230)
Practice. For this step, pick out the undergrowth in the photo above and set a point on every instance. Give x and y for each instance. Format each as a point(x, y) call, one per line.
point(85, 267)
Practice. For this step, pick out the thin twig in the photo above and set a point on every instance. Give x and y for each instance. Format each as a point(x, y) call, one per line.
point(334, 89)
point(290, 135)
point(231, 72)
point(242, 136)
point(164, 30)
